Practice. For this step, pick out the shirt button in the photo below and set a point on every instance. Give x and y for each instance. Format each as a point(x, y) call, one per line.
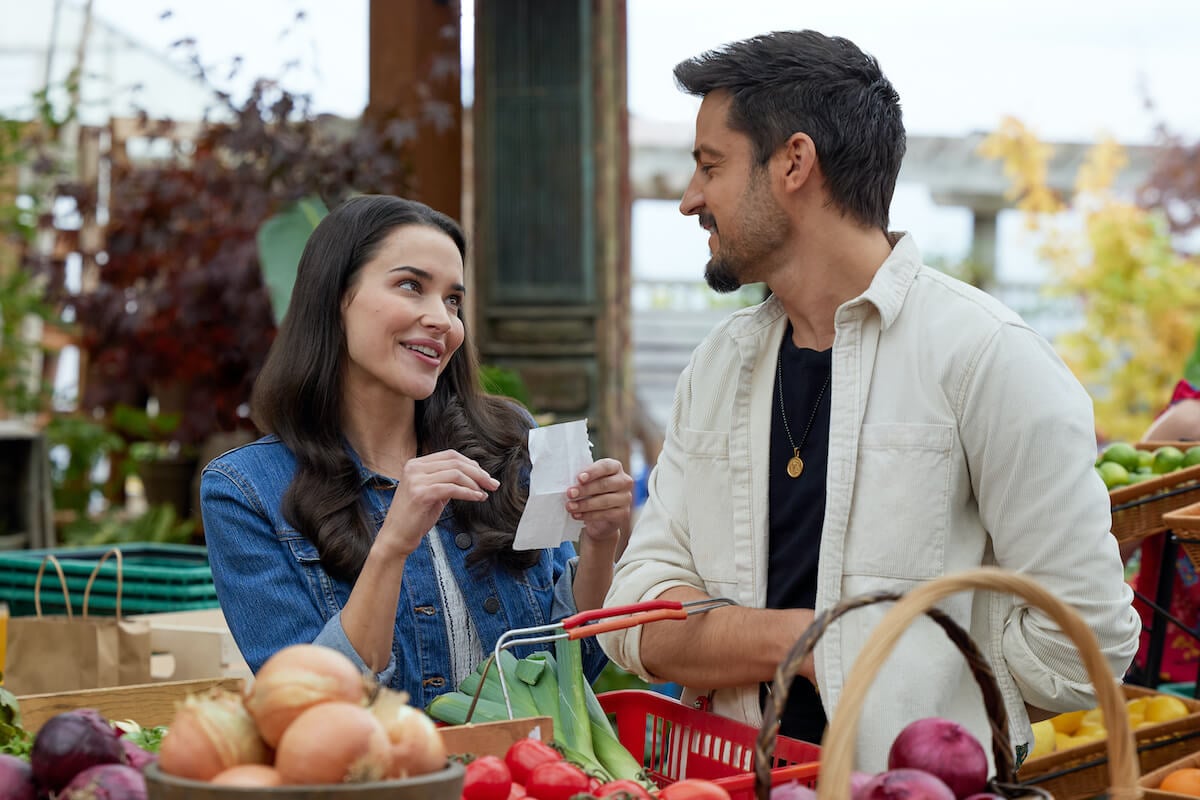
point(434, 683)
point(463, 540)
point(428, 611)
point(491, 605)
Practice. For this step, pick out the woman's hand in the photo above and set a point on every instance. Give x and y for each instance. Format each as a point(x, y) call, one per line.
point(424, 487)
point(602, 499)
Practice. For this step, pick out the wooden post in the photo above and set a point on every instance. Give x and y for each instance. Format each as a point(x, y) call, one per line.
point(415, 76)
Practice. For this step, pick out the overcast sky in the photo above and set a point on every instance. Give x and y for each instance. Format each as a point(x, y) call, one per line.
point(1072, 70)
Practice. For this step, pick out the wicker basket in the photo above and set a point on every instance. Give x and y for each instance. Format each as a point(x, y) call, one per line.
point(1082, 771)
point(837, 749)
point(1137, 509)
point(1151, 781)
point(1185, 524)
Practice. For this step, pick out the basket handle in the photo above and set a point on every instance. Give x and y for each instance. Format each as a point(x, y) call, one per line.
point(37, 585)
point(837, 750)
point(87, 591)
point(785, 674)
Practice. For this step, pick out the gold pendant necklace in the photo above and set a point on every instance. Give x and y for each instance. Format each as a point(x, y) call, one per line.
point(795, 465)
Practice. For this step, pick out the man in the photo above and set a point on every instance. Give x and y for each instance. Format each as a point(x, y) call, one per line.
point(871, 425)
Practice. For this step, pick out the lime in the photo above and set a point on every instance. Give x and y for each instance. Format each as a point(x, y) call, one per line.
point(1121, 453)
point(1145, 460)
point(1167, 459)
point(1191, 456)
point(1113, 474)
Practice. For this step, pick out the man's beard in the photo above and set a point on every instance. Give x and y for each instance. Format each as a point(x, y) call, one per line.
point(762, 227)
point(721, 276)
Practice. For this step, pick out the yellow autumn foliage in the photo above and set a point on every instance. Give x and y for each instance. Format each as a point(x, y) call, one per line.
point(1140, 298)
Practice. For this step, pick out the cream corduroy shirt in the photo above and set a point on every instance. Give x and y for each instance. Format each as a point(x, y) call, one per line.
point(957, 438)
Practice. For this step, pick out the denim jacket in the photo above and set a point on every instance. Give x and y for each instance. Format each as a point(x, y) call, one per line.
point(274, 592)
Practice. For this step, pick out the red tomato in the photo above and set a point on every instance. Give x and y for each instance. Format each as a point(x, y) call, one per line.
point(624, 788)
point(516, 792)
point(526, 754)
point(556, 780)
point(487, 778)
point(692, 789)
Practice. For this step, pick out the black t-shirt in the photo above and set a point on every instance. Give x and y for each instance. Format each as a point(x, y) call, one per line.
point(797, 506)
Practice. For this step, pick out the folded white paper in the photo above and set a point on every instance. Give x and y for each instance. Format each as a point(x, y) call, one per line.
point(558, 454)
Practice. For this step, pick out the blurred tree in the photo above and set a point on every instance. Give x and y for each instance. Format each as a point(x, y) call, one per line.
point(1141, 298)
point(181, 311)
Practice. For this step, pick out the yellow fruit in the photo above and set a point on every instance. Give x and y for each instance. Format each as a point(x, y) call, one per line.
point(1089, 733)
point(1063, 741)
point(1067, 723)
point(1136, 719)
point(1137, 705)
point(1093, 717)
point(1044, 737)
point(1164, 708)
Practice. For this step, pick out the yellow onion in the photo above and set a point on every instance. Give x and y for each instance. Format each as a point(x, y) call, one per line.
point(248, 775)
point(299, 677)
point(210, 733)
point(334, 742)
point(416, 744)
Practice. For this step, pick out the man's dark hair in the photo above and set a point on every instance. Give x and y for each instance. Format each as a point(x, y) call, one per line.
point(786, 82)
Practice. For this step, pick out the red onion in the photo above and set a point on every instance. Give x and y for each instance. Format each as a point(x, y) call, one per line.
point(137, 757)
point(987, 796)
point(858, 780)
point(106, 782)
point(906, 784)
point(792, 790)
point(945, 749)
point(71, 742)
point(16, 778)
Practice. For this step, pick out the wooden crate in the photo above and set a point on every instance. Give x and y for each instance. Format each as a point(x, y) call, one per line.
point(147, 704)
point(494, 738)
point(187, 645)
point(1082, 772)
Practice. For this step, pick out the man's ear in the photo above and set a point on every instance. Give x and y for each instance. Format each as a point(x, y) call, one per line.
point(799, 156)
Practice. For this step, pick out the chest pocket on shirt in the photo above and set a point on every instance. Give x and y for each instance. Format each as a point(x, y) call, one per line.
point(706, 491)
point(898, 517)
point(322, 587)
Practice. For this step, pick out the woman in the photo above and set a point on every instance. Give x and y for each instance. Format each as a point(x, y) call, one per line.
point(378, 516)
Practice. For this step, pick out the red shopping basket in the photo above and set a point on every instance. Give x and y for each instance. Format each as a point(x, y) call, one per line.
point(676, 741)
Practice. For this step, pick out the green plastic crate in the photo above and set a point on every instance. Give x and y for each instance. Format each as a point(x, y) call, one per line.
point(155, 577)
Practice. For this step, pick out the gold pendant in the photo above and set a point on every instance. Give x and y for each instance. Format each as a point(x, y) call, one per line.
point(795, 465)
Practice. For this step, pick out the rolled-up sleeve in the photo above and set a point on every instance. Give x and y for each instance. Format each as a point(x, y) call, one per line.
point(1029, 437)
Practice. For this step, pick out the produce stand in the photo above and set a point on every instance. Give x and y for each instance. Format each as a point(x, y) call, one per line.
point(1146, 509)
point(1082, 771)
point(148, 704)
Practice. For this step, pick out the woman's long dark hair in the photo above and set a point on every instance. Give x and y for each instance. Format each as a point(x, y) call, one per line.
point(298, 397)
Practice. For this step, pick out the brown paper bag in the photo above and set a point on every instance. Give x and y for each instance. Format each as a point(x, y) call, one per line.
point(61, 654)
